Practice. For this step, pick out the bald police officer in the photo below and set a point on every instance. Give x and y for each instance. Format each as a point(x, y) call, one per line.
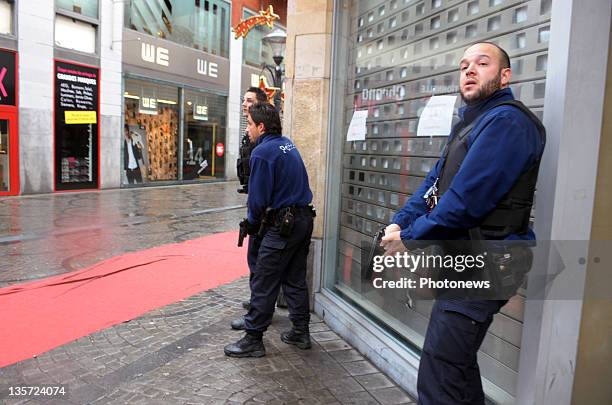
point(485, 181)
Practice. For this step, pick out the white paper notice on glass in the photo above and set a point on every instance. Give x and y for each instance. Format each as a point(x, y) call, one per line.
point(437, 117)
point(357, 128)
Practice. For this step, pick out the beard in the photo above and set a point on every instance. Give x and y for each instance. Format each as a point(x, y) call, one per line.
point(485, 91)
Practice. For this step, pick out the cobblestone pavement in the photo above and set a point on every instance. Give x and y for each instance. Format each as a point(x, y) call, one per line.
point(175, 355)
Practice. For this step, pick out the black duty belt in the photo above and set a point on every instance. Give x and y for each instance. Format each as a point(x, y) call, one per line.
point(308, 210)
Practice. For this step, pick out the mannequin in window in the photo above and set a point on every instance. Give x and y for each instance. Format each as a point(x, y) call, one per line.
point(130, 157)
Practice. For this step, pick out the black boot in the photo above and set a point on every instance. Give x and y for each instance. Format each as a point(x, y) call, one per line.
point(248, 346)
point(246, 305)
point(299, 337)
point(238, 323)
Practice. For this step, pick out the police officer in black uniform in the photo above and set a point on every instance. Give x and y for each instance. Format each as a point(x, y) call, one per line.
point(481, 188)
point(280, 220)
point(253, 95)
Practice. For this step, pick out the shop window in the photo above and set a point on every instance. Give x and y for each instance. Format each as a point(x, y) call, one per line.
point(75, 34)
point(87, 8)
point(543, 34)
point(541, 62)
point(520, 41)
point(6, 17)
point(203, 25)
point(435, 23)
point(545, 6)
point(436, 3)
point(453, 15)
point(473, 8)
point(376, 113)
point(204, 143)
point(152, 119)
point(494, 23)
point(520, 15)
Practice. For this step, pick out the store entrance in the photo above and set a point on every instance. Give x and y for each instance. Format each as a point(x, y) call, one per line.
point(199, 151)
point(9, 157)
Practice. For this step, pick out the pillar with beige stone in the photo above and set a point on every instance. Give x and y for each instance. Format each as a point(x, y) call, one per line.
point(306, 112)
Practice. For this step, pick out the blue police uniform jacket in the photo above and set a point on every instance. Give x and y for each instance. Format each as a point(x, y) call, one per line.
point(278, 177)
point(507, 143)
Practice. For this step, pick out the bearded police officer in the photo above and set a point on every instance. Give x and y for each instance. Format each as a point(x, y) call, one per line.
point(279, 222)
point(485, 180)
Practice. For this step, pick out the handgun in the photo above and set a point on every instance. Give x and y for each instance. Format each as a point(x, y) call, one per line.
point(242, 232)
point(375, 250)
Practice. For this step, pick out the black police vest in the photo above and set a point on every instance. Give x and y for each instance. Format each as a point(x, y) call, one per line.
point(511, 215)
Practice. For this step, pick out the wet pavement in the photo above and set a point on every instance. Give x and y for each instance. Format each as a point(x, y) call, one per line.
point(172, 354)
point(45, 235)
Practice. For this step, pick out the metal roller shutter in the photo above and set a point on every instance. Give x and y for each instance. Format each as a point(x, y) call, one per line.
point(403, 51)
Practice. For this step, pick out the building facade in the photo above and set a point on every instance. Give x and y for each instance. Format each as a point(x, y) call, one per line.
point(388, 57)
point(104, 94)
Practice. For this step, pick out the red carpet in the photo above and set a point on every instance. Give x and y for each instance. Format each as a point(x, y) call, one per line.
point(41, 315)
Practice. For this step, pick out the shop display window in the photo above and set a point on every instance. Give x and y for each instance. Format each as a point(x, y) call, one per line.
point(150, 135)
point(203, 24)
point(375, 176)
point(204, 140)
point(76, 126)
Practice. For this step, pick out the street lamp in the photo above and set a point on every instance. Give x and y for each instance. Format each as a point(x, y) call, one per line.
point(276, 39)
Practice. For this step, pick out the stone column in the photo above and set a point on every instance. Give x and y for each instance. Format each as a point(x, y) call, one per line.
point(307, 65)
point(35, 25)
point(306, 112)
point(111, 98)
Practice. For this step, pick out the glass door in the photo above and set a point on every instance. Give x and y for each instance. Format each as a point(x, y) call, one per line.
point(9, 165)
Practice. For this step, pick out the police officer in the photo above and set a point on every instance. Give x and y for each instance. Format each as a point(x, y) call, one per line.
point(252, 96)
point(491, 159)
point(280, 219)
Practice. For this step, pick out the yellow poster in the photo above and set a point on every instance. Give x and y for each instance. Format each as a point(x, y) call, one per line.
point(80, 117)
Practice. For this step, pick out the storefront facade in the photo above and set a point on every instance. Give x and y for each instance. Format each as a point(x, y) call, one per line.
point(175, 98)
point(388, 58)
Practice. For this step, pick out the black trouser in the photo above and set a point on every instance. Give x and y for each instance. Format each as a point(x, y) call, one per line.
point(448, 371)
point(133, 175)
point(279, 261)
